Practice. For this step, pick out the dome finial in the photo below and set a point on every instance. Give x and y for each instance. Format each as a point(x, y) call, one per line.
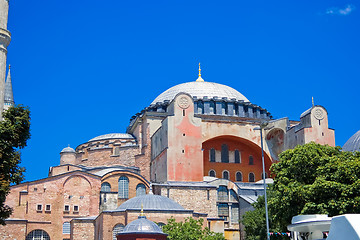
point(199, 78)
point(142, 210)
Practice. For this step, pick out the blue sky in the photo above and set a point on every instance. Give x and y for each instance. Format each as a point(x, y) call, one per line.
point(85, 67)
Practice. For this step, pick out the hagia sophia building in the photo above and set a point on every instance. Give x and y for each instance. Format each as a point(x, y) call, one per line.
point(193, 152)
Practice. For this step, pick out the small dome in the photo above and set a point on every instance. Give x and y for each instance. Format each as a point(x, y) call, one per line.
point(151, 202)
point(201, 90)
point(68, 150)
point(142, 225)
point(353, 144)
point(112, 136)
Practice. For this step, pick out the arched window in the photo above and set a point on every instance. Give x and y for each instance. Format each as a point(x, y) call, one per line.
point(233, 196)
point(212, 173)
point(117, 229)
point(223, 193)
point(226, 174)
point(140, 189)
point(239, 177)
point(66, 228)
point(105, 187)
point(251, 177)
point(37, 235)
point(237, 156)
point(224, 153)
point(123, 187)
point(263, 175)
point(251, 160)
point(212, 155)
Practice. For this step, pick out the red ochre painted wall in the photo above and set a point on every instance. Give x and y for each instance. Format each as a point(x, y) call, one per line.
point(246, 149)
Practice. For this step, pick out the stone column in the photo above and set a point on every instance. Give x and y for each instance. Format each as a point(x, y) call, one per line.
point(5, 38)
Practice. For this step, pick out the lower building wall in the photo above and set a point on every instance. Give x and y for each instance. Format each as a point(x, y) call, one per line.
point(15, 230)
point(82, 230)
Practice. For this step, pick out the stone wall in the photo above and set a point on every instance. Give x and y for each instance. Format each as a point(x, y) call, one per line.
point(83, 229)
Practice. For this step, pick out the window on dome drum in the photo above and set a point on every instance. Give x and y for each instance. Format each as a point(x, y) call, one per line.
point(263, 175)
point(251, 177)
point(117, 229)
point(116, 151)
point(212, 173)
point(123, 187)
point(66, 228)
point(37, 235)
point(251, 160)
point(226, 174)
point(200, 107)
point(140, 189)
point(223, 210)
point(224, 153)
point(237, 156)
point(212, 107)
point(223, 194)
point(105, 187)
point(212, 155)
point(238, 177)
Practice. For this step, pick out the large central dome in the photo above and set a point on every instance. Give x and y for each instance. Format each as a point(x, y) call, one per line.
point(200, 90)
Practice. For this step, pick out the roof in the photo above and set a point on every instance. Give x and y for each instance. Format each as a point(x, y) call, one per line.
point(112, 136)
point(353, 144)
point(67, 150)
point(8, 92)
point(200, 90)
point(151, 202)
point(142, 225)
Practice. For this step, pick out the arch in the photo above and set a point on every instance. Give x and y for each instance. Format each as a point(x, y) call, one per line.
point(212, 173)
point(251, 177)
point(140, 190)
point(37, 234)
point(118, 228)
point(66, 228)
point(105, 187)
point(223, 194)
point(74, 176)
point(226, 175)
point(224, 153)
point(212, 155)
point(123, 187)
point(238, 177)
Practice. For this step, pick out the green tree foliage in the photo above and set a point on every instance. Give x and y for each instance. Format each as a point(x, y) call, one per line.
point(14, 132)
point(314, 179)
point(255, 222)
point(191, 229)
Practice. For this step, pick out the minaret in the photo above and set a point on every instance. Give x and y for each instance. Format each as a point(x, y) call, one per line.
point(5, 38)
point(9, 96)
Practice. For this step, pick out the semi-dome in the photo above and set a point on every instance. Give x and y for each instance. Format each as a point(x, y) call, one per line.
point(112, 136)
point(353, 144)
point(201, 89)
point(142, 226)
point(151, 202)
point(68, 150)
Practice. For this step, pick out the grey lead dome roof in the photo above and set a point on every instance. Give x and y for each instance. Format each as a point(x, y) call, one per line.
point(201, 90)
point(151, 202)
point(112, 136)
point(142, 225)
point(68, 150)
point(353, 144)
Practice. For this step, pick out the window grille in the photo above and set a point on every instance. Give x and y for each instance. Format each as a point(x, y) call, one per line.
point(251, 177)
point(117, 229)
point(105, 187)
point(235, 213)
point(224, 153)
point(212, 155)
point(223, 210)
point(37, 235)
point(123, 187)
point(223, 194)
point(233, 196)
point(140, 189)
point(66, 228)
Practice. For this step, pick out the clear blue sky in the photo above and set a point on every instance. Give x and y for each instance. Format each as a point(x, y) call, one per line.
point(85, 67)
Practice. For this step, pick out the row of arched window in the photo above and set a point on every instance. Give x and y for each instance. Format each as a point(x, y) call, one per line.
point(225, 158)
point(123, 188)
point(238, 175)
